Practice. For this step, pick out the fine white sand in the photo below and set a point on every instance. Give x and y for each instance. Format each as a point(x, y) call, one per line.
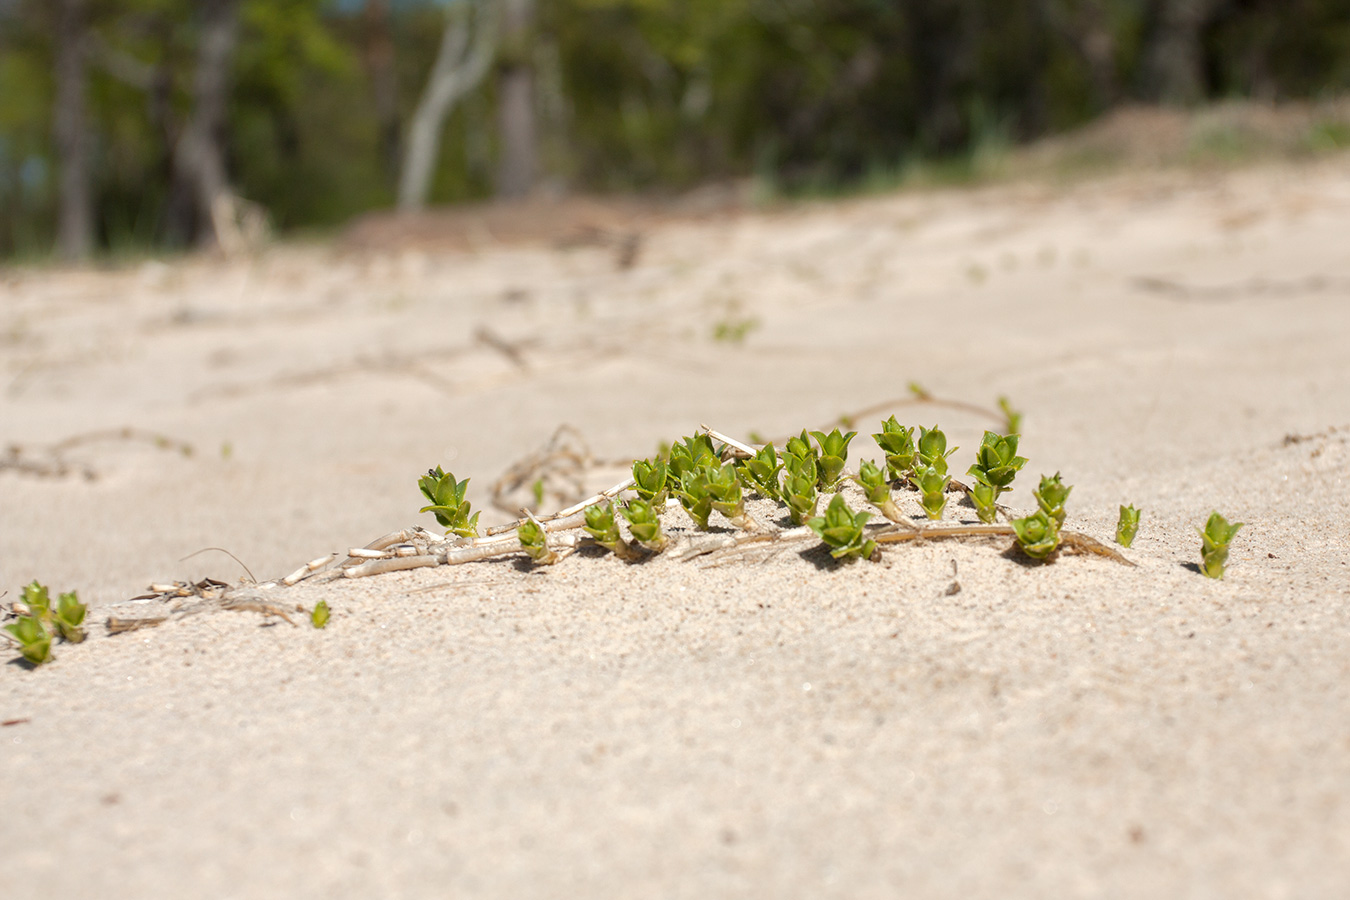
point(948, 722)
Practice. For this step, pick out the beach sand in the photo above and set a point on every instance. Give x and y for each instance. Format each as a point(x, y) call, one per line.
point(950, 721)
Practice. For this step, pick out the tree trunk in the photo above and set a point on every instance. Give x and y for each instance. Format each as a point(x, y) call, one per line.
point(518, 164)
point(459, 68)
point(75, 238)
point(1174, 62)
point(379, 59)
point(201, 183)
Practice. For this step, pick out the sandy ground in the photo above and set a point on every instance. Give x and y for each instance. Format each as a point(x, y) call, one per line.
point(948, 722)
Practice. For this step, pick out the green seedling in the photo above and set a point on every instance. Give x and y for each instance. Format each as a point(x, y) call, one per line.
point(1050, 497)
point(1037, 534)
point(1215, 537)
point(897, 442)
point(448, 503)
point(645, 525)
point(798, 451)
point(537, 491)
point(320, 614)
point(833, 455)
point(33, 638)
point(534, 541)
point(932, 450)
point(760, 473)
point(1128, 525)
point(842, 530)
point(984, 498)
point(695, 497)
point(932, 483)
point(601, 525)
point(39, 603)
point(997, 462)
point(799, 492)
point(651, 480)
point(724, 488)
point(872, 479)
point(1012, 419)
point(69, 618)
point(691, 453)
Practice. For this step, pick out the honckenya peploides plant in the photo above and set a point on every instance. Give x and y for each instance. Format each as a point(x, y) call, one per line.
point(448, 503)
point(39, 623)
point(996, 465)
point(1215, 538)
point(1128, 525)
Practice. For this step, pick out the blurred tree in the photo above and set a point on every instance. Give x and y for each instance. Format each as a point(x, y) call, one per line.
point(75, 238)
point(518, 142)
point(1174, 64)
point(468, 45)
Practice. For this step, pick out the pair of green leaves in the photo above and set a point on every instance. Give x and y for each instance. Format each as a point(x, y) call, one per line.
point(828, 457)
point(1127, 526)
point(448, 503)
point(842, 531)
point(34, 632)
point(1215, 538)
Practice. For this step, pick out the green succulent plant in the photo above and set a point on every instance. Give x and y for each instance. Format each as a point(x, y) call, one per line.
point(39, 603)
point(997, 462)
point(842, 530)
point(799, 492)
point(1215, 538)
point(534, 541)
point(644, 523)
point(693, 494)
point(798, 451)
point(897, 442)
point(33, 638)
point(727, 498)
point(1127, 526)
point(69, 617)
point(319, 616)
point(651, 480)
point(1037, 534)
point(1050, 497)
point(833, 455)
point(872, 479)
point(601, 525)
point(932, 483)
point(984, 498)
point(932, 450)
point(760, 473)
point(448, 503)
point(690, 453)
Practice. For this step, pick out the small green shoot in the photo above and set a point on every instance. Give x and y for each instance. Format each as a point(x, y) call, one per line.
point(932, 483)
point(1215, 537)
point(448, 503)
point(39, 603)
point(932, 450)
point(760, 473)
point(601, 525)
point(724, 489)
point(842, 530)
point(1037, 535)
point(985, 500)
point(537, 491)
point(1128, 525)
point(799, 491)
point(651, 480)
point(691, 453)
point(872, 479)
point(833, 455)
point(645, 525)
point(33, 638)
point(319, 616)
point(1012, 419)
point(69, 618)
point(534, 542)
point(799, 451)
point(1050, 497)
point(897, 442)
point(693, 494)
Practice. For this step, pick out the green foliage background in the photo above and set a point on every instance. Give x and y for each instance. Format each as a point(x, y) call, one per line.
point(632, 94)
